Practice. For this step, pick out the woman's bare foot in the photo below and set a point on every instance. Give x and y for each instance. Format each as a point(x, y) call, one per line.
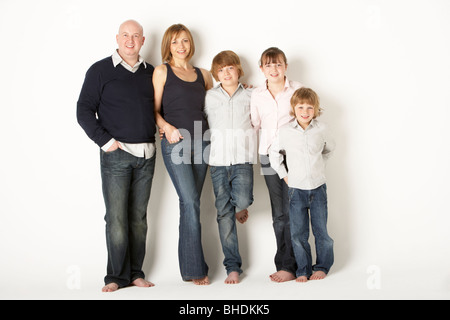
point(318, 275)
point(110, 287)
point(242, 216)
point(301, 279)
point(233, 278)
point(142, 283)
point(282, 276)
point(201, 282)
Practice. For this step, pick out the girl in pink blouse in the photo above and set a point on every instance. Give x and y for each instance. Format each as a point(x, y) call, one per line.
point(270, 110)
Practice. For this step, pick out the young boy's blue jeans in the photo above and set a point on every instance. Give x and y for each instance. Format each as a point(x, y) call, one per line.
point(233, 188)
point(302, 204)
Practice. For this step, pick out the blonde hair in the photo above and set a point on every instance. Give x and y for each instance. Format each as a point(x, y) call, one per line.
point(223, 59)
point(306, 96)
point(170, 33)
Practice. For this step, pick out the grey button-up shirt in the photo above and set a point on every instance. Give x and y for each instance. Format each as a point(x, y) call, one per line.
point(233, 139)
point(306, 154)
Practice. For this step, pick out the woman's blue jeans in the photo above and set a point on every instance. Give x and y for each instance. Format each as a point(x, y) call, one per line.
point(126, 184)
point(187, 168)
point(305, 203)
point(233, 189)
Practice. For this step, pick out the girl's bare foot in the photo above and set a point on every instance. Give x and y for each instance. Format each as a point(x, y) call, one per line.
point(318, 275)
point(301, 279)
point(110, 287)
point(142, 283)
point(282, 276)
point(233, 278)
point(201, 282)
point(242, 216)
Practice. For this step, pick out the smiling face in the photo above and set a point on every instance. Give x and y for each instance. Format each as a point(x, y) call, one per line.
point(130, 40)
point(274, 70)
point(228, 76)
point(180, 46)
point(304, 113)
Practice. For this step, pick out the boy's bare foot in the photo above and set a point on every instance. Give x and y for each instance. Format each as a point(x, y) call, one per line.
point(201, 282)
point(282, 276)
point(110, 287)
point(142, 283)
point(318, 275)
point(301, 279)
point(233, 278)
point(242, 216)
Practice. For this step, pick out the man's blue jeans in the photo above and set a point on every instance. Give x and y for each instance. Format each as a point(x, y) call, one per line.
point(279, 201)
point(126, 184)
point(233, 188)
point(187, 168)
point(314, 202)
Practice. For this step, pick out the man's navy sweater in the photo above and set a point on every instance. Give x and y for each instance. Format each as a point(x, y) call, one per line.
point(116, 103)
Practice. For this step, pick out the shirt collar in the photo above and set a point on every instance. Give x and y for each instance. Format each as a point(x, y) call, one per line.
point(312, 124)
point(219, 87)
point(287, 84)
point(117, 59)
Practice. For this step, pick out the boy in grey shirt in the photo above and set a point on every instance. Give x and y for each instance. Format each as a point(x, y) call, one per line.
point(307, 144)
point(233, 152)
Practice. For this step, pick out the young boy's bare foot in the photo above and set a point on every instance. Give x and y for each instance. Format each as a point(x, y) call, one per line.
point(110, 287)
point(233, 278)
point(242, 216)
point(282, 276)
point(142, 283)
point(301, 279)
point(201, 282)
point(318, 275)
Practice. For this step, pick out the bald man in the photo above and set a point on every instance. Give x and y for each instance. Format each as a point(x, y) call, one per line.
point(115, 109)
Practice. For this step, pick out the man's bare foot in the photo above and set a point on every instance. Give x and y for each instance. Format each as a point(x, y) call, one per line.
point(110, 287)
point(201, 282)
point(282, 276)
point(242, 216)
point(301, 279)
point(318, 275)
point(233, 278)
point(142, 283)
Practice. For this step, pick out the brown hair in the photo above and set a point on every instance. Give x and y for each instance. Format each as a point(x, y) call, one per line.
point(223, 59)
point(170, 33)
point(272, 55)
point(306, 96)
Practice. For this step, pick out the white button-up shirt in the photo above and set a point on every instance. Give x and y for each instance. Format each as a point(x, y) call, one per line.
point(269, 114)
point(139, 150)
point(233, 139)
point(306, 154)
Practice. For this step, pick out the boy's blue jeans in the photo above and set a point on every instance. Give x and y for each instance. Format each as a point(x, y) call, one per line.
point(126, 184)
point(233, 188)
point(187, 168)
point(302, 204)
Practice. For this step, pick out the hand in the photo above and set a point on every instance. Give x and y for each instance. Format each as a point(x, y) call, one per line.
point(286, 180)
point(161, 133)
point(172, 134)
point(116, 145)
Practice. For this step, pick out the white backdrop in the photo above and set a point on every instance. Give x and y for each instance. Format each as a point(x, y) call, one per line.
point(382, 69)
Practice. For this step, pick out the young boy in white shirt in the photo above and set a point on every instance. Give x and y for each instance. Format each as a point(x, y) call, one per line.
point(232, 154)
point(307, 144)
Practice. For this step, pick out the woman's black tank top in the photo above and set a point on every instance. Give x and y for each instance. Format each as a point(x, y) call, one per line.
point(183, 103)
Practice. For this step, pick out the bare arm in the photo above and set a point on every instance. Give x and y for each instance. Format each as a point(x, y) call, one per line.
point(208, 79)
